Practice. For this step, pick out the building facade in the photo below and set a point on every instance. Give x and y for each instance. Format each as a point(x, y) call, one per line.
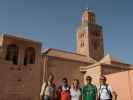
point(20, 67)
point(24, 67)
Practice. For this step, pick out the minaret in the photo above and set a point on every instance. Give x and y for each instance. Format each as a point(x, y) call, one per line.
point(90, 37)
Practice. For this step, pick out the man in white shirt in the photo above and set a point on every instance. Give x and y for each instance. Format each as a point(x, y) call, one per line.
point(105, 90)
point(48, 90)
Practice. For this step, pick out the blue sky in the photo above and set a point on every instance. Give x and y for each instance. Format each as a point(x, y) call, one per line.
point(54, 22)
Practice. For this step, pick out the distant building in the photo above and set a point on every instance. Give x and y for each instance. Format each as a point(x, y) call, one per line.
point(23, 66)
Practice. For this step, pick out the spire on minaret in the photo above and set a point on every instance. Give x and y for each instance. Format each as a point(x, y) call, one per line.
point(88, 16)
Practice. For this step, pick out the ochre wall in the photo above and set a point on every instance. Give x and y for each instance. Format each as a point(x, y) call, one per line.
point(64, 68)
point(19, 82)
point(122, 83)
point(109, 70)
point(95, 73)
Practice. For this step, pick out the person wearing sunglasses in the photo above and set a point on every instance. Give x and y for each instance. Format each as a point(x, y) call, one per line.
point(89, 91)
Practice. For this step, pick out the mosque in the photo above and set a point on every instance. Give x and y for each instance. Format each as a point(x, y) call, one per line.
point(24, 65)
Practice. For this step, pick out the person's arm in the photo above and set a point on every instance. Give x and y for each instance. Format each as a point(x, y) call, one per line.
point(42, 89)
point(96, 93)
point(82, 93)
point(80, 98)
point(58, 92)
point(55, 92)
point(114, 95)
point(97, 96)
point(70, 91)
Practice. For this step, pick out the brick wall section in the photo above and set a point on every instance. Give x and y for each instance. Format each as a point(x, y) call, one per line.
point(22, 84)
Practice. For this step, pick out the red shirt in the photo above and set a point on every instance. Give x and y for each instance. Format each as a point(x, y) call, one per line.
point(65, 95)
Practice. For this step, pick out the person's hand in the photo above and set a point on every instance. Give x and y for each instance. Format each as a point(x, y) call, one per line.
point(114, 95)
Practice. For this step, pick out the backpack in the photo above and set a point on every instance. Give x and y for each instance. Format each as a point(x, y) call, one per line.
point(46, 85)
point(108, 91)
point(53, 85)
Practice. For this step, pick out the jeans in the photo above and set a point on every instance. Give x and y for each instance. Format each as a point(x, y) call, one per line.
point(47, 98)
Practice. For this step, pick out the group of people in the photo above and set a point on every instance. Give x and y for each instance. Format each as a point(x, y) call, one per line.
point(89, 91)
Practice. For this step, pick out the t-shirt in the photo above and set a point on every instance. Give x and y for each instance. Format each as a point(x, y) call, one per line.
point(65, 93)
point(48, 90)
point(89, 92)
point(104, 91)
point(75, 94)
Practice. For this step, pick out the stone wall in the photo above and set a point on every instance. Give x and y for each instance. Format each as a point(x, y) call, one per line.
point(64, 68)
point(110, 70)
point(19, 82)
point(95, 73)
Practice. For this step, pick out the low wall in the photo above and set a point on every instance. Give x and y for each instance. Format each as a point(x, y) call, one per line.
point(122, 83)
point(19, 82)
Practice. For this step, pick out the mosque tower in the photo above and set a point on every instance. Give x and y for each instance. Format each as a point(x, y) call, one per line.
point(90, 37)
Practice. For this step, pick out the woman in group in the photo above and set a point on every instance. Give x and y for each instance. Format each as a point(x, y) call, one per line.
point(75, 90)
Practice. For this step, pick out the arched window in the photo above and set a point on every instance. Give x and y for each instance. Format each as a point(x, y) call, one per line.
point(82, 44)
point(29, 57)
point(96, 44)
point(12, 53)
